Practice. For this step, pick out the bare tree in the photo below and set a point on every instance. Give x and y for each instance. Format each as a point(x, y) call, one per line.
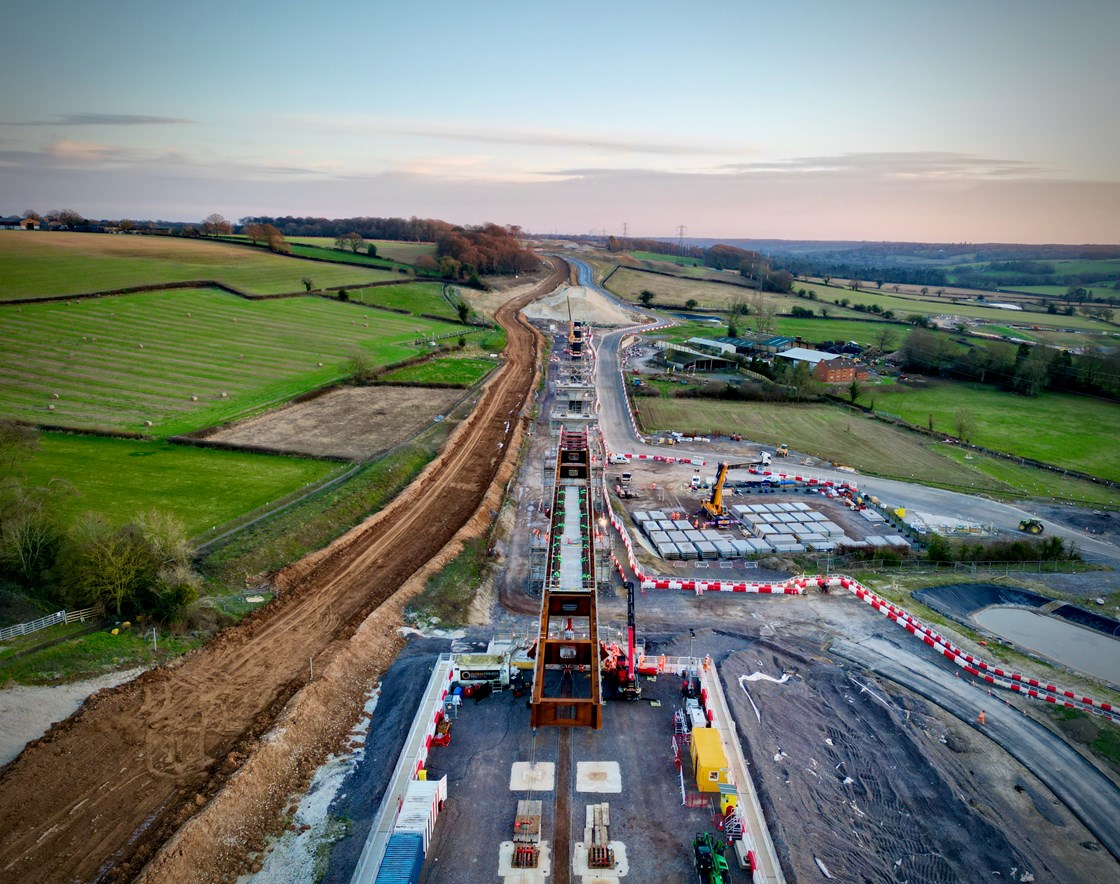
point(763, 314)
point(215, 224)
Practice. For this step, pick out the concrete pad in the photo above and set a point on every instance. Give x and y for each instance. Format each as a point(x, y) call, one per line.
point(598, 776)
point(580, 867)
point(527, 777)
point(509, 874)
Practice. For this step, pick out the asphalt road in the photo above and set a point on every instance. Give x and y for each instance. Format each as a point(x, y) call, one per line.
point(1090, 795)
point(620, 436)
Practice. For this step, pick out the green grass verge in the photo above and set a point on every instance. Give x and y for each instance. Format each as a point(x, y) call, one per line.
point(416, 297)
point(92, 655)
point(117, 362)
point(465, 371)
point(1029, 482)
point(204, 488)
point(1101, 737)
point(1076, 432)
point(447, 596)
point(68, 263)
point(313, 523)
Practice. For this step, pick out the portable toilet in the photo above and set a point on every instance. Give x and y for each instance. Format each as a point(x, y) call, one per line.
point(708, 759)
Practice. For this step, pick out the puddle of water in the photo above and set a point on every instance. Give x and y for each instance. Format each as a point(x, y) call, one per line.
point(1082, 649)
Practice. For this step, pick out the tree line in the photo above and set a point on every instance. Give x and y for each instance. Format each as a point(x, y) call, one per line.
point(140, 568)
point(1023, 368)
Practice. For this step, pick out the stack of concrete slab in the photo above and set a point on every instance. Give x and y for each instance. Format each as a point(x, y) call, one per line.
point(872, 515)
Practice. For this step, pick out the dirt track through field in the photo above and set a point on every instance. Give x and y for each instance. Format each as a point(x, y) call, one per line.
point(102, 791)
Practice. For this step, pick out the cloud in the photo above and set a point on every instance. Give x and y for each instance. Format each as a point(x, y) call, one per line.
point(542, 138)
point(902, 164)
point(92, 119)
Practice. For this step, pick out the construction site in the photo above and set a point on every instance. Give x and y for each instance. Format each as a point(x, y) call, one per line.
point(653, 695)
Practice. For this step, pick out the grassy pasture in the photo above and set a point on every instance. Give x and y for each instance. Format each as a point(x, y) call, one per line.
point(402, 252)
point(1066, 430)
point(360, 259)
point(668, 259)
point(36, 265)
point(204, 488)
point(820, 430)
point(860, 331)
point(416, 297)
point(259, 353)
point(453, 370)
point(868, 445)
point(903, 305)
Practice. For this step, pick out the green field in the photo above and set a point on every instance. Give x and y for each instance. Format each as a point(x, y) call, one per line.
point(402, 252)
point(465, 371)
point(835, 434)
point(668, 259)
point(416, 297)
point(204, 488)
point(862, 332)
point(904, 306)
point(340, 257)
point(1076, 432)
point(37, 265)
point(196, 342)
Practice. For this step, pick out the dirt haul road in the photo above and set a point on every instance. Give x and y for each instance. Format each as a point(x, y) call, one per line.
point(102, 791)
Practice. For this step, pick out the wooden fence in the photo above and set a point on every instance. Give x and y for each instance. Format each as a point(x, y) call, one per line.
point(55, 619)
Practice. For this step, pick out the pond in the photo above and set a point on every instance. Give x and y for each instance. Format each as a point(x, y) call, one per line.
point(1081, 649)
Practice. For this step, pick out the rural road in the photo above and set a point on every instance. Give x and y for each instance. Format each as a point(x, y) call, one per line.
point(95, 798)
point(620, 436)
point(1090, 795)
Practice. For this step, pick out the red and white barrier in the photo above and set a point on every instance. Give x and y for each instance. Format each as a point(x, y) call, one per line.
point(989, 672)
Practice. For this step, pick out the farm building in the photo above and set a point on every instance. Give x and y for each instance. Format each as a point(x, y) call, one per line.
point(682, 358)
point(719, 347)
point(812, 358)
point(839, 371)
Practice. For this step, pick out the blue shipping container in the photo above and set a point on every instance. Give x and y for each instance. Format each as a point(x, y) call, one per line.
point(404, 858)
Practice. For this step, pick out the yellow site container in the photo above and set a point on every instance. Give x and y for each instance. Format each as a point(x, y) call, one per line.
point(708, 759)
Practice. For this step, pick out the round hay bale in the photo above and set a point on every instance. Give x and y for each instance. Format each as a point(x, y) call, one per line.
point(319, 364)
point(147, 423)
point(140, 346)
point(54, 395)
point(194, 398)
point(50, 408)
point(225, 395)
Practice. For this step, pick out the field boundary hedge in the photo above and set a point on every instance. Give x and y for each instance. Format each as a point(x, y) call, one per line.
point(215, 284)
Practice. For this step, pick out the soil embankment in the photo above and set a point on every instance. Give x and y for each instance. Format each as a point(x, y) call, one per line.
point(99, 794)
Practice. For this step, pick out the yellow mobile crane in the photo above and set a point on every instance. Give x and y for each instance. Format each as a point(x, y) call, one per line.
point(713, 508)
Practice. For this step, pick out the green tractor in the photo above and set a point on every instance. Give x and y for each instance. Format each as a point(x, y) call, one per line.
point(1031, 526)
point(711, 864)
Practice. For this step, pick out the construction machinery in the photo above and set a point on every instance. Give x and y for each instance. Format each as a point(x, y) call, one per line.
point(713, 508)
point(782, 450)
point(711, 863)
point(628, 687)
point(1031, 526)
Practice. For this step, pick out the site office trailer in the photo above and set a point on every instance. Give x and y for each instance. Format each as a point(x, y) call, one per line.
point(708, 759)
